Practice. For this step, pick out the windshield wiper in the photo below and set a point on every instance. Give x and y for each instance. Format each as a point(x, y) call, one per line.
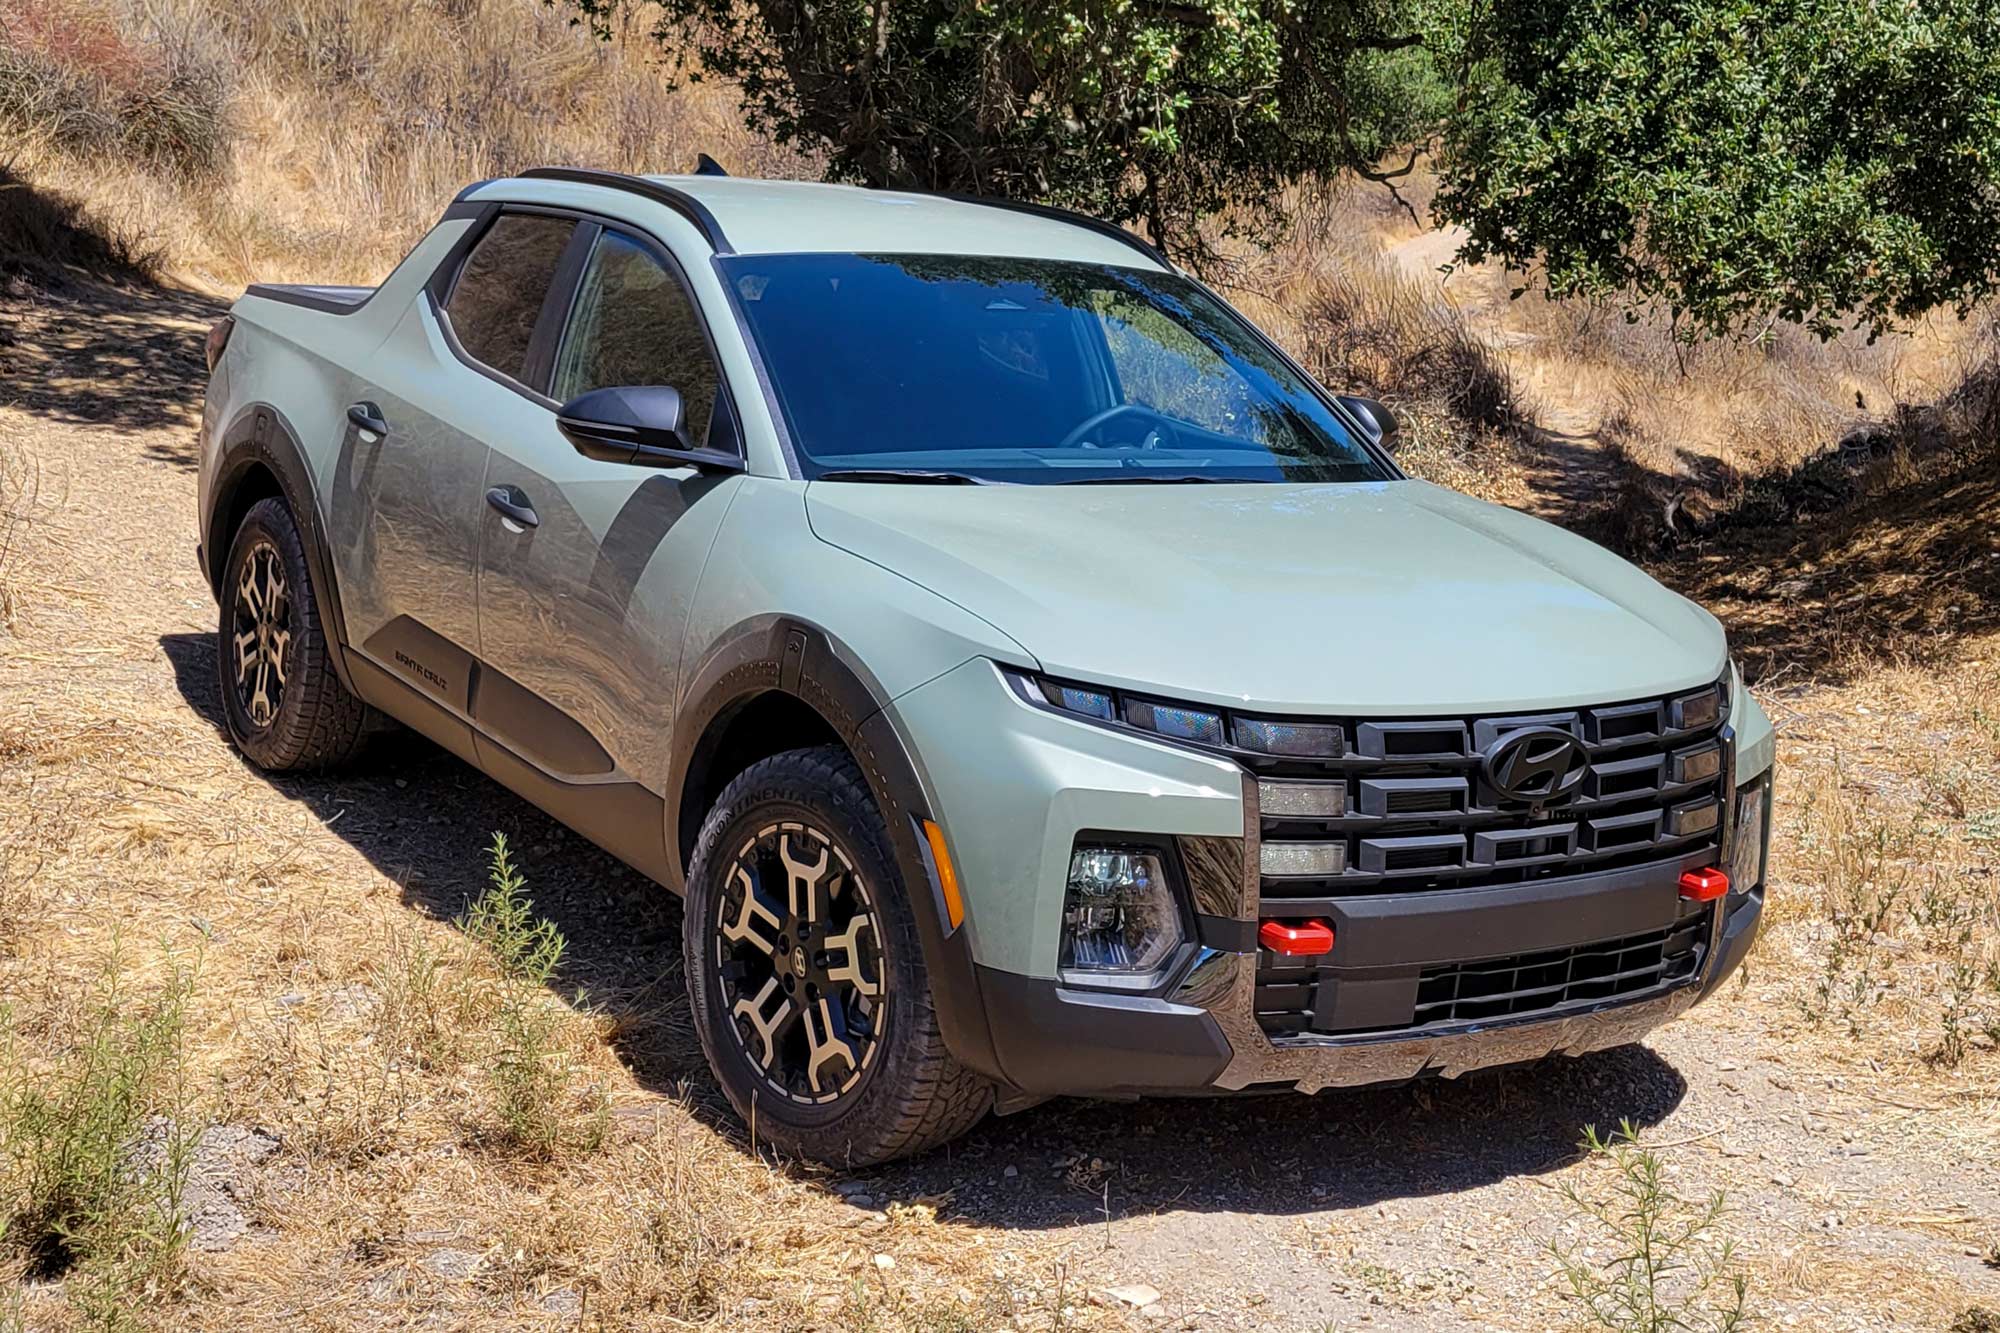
point(914, 476)
point(1141, 479)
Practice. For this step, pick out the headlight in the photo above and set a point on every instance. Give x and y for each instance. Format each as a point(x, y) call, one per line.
point(1746, 853)
point(1119, 917)
point(1183, 722)
point(1204, 726)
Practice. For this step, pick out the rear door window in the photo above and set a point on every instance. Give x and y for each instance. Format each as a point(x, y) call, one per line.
point(500, 290)
point(634, 323)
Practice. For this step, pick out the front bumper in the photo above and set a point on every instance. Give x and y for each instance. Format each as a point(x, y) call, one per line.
point(1051, 1039)
point(1014, 804)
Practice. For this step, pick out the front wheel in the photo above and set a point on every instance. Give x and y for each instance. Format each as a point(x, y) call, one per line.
point(806, 973)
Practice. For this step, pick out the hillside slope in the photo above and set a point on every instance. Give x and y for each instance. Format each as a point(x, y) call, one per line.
point(314, 140)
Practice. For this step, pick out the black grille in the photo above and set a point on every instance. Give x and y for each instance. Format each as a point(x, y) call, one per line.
point(1537, 982)
point(1419, 814)
point(1542, 984)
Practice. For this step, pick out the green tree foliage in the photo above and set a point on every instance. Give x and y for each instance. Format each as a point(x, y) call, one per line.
point(1151, 111)
point(1738, 160)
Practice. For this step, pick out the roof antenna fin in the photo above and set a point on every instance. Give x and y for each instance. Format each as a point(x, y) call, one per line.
point(704, 165)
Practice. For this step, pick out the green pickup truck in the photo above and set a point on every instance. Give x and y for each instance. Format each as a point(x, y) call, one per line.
point(1032, 681)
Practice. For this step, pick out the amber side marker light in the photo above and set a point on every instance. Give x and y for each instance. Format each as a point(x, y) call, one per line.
point(954, 905)
point(1703, 886)
point(1299, 939)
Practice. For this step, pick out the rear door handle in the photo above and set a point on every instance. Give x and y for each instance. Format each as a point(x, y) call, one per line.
point(512, 504)
point(368, 417)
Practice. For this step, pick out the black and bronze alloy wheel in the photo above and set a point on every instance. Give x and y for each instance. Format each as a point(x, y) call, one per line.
point(806, 972)
point(799, 962)
point(281, 697)
point(261, 641)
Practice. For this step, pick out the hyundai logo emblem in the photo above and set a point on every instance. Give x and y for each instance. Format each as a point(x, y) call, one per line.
point(1538, 765)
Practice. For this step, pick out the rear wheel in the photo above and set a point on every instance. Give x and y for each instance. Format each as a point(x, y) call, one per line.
point(806, 974)
point(285, 706)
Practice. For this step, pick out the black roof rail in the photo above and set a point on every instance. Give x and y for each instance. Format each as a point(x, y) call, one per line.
point(1074, 219)
point(680, 201)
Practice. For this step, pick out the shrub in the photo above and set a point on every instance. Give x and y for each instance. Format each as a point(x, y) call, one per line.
point(158, 97)
point(1666, 1271)
point(88, 1190)
point(531, 1074)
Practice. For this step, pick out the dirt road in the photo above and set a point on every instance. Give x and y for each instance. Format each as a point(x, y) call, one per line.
point(1855, 1204)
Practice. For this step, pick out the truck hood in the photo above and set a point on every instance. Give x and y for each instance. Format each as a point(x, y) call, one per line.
point(1380, 598)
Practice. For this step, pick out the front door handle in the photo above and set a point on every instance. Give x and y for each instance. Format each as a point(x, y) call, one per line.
point(368, 417)
point(514, 505)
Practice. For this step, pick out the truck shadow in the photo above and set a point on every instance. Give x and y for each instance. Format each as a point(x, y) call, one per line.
point(424, 819)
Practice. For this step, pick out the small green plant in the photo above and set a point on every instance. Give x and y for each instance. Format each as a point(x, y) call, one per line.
point(1867, 869)
point(1659, 1265)
point(1956, 1014)
point(95, 1153)
point(530, 1074)
point(427, 1004)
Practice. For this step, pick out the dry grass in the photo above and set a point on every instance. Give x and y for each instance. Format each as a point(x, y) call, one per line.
point(94, 1150)
point(420, 1170)
point(341, 129)
point(1887, 857)
point(1612, 425)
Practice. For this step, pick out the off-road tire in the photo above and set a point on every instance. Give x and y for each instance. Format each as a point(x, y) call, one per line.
point(914, 1095)
point(316, 723)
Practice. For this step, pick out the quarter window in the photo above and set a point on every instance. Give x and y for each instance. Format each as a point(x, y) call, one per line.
point(499, 293)
point(634, 323)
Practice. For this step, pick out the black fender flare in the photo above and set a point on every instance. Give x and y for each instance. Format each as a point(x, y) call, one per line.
point(795, 657)
point(260, 434)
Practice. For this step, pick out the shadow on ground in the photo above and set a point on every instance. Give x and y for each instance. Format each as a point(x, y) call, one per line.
point(424, 818)
point(1905, 570)
point(129, 358)
point(87, 335)
point(1819, 567)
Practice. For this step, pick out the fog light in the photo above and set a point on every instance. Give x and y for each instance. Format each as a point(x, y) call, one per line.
point(1746, 853)
point(1302, 858)
point(1302, 800)
point(1119, 915)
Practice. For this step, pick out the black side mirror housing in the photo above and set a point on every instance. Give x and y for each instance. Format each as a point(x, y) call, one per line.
point(1376, 419)
point(638, 424)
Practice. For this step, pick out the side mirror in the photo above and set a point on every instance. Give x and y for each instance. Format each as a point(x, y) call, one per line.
point(1376, 419)
point(638, 424)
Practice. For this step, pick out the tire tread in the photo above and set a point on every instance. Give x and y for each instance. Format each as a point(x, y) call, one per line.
point(938, 1098)
point(320, 725)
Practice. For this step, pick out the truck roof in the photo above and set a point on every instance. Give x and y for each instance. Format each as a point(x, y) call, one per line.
point(755, 216)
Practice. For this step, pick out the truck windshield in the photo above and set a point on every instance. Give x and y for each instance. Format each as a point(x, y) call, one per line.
point(943, 367)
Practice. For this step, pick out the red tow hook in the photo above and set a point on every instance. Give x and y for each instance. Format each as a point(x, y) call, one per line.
point(1704, 886)
point(1301, 939)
